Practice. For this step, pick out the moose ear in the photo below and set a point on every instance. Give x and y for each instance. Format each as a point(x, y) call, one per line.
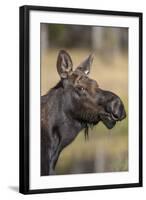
point(86, 65)
point(64, 64)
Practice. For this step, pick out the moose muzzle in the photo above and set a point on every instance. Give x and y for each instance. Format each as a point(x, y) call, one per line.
point(113, 109)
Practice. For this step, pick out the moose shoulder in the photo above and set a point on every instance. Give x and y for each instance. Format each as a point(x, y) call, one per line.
point(73, 104)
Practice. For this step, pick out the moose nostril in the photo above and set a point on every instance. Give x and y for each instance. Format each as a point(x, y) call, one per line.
point(116, 109)
point(115, 116)
point(119, 111)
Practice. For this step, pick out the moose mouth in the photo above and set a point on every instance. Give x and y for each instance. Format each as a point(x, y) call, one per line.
point(108, 119)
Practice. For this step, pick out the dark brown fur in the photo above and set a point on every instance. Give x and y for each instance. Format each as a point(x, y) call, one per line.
point(75, 103)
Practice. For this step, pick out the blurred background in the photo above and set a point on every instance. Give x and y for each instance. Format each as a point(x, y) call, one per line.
point(106, 150)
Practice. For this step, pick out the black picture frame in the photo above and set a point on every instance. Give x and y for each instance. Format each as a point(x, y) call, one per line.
point(25, 105)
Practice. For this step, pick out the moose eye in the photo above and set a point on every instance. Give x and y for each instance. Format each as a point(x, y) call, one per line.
point(82, 88)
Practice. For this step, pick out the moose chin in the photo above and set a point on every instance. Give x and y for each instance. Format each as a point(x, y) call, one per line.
point(75, 103)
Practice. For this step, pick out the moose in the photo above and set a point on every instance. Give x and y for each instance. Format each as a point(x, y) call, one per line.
point(75, 103)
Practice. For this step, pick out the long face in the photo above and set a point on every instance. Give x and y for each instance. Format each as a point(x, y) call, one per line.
point(88, 102)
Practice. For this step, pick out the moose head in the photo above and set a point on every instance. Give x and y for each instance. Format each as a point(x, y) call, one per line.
point(74, 103)
point(88, 102)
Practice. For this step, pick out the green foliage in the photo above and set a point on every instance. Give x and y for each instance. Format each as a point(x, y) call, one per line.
point(56, 33)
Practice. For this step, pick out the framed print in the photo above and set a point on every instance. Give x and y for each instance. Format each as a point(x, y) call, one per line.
point(80, 99)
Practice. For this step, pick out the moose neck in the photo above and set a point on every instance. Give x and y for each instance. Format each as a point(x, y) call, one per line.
point(68, 125)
